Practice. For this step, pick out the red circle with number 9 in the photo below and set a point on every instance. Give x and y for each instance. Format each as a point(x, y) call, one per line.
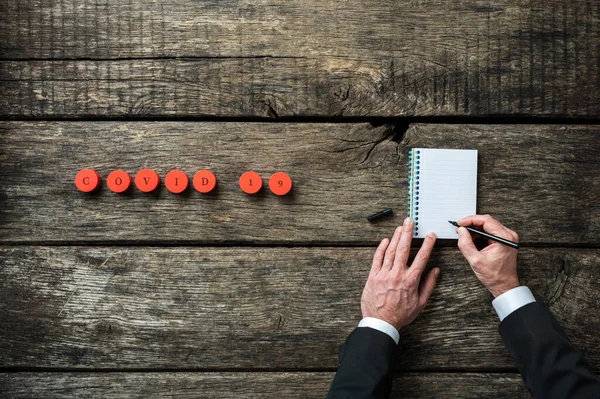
point(250, 182)
point(280, 183)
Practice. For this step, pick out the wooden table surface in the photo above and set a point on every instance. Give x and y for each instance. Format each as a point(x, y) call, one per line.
point(227, 295)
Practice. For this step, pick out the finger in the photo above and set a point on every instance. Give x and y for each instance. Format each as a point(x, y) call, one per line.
point(486, 223)
point(388, 259)
point(514, 235)
point(427, 286)
point(403, 249)
point(379, 255)
point(423, 255)
point(466, 246)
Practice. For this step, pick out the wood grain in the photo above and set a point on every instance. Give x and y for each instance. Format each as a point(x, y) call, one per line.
point(248, 385)
point(354, 28)
point(541, 181)
point(258, 308)
point(308, 58)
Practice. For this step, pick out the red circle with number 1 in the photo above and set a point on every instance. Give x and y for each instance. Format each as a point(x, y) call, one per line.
point(280, 183)
point(250, 182)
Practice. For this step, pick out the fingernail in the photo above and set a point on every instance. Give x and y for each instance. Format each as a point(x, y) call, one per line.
point(431, 235)
point(460, 231)
point(406, 222)
point(437, 273)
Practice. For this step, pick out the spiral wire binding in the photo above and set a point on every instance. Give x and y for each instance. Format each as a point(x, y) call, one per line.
point(414, 161)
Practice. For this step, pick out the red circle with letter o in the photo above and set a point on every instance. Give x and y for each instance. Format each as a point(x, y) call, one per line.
point(118, 181)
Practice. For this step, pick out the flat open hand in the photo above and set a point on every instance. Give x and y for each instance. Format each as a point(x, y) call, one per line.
point(393, 292)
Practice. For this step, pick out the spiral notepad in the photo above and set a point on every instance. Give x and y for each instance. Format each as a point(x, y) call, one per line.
point(442, 186)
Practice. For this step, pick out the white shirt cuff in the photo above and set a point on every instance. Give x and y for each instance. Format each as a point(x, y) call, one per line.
point(382, 326)
point(512, 300)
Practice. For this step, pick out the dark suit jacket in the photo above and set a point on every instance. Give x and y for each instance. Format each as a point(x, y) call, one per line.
point(548, 362)
point(550, 365)
point(367, 362)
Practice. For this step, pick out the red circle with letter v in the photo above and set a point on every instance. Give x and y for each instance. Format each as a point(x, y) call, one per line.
point(147, 180)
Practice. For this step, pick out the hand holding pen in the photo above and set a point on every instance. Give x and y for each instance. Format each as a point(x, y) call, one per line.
point(489, 236)
point(495, 265)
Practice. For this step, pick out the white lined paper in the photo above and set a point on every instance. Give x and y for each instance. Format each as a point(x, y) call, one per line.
point(447, 189)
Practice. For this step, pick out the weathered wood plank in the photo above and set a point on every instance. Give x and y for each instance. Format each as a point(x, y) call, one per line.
point(256, 87)
point(313, 57)
point(278, 88)
point(205, 28)
point(540, 180)
point(258, 308)
point(248, 385)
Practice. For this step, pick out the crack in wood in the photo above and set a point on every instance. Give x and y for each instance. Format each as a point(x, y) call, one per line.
point(280, 323)
point(270, 110)
point(66, 303)
point(558, 287)
point(370, 151)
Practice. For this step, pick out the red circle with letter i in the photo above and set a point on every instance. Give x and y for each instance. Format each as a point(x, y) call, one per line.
point(205, 181)
point(176, 181)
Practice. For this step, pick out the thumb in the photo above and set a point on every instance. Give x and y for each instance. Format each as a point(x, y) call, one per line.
point(466, 246)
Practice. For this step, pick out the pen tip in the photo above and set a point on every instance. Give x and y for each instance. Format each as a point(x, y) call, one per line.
point(453, 223)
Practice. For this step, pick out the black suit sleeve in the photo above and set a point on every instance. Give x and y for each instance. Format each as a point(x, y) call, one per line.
point(550, 365)
point(367, 362)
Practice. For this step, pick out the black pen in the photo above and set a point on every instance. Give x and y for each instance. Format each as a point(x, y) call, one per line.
point(486, 235)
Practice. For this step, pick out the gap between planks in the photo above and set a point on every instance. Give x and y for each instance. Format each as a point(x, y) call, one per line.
point(402, 123)
point(466, 370)
point(236, 244)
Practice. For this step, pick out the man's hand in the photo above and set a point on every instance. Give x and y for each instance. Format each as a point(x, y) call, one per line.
point(392, 292)
point(495, 265)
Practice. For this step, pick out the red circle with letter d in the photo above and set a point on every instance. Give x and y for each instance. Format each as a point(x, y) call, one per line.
point(205, 181)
